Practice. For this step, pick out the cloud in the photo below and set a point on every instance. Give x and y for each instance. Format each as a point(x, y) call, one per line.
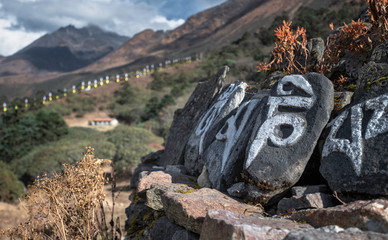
point(171, 23)
point(14, 40)
point(23, 21)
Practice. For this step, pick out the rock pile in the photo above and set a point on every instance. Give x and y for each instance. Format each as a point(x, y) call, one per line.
point(233, 163)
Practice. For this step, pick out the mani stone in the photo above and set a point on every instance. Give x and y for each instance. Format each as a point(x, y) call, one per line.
point(229, 99)
point(355, 153)
point(185, 119)
point(287, 130)
point(225, 156)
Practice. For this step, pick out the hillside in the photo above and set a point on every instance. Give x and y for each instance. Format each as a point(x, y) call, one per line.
point(203, 32)
point(207, 30)
point(293, 147)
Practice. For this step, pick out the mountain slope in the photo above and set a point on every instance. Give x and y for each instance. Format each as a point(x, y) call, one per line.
point(210, 29)
point(66, 49)
point(196, 28)
point(203, 32)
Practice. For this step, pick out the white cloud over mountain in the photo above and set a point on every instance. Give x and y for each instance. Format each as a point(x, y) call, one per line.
point(23, 21)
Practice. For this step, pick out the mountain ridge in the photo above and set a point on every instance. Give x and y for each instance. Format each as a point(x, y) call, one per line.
point(66, 49)
point(202, 32)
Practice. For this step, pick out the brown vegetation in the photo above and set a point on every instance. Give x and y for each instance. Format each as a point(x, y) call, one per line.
point(290, 54)
point(68, 205)
point(289, 46)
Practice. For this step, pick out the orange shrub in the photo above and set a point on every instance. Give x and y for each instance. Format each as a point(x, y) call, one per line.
point(290, 52)
point(378, 10)
point(352, 37)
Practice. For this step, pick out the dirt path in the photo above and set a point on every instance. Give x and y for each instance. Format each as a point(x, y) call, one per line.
point(11, 215)
point(121, 202)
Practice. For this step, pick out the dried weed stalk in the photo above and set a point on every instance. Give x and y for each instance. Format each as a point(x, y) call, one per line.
point(66, 205)
point(378, 10)
point(290, 52)
point(351, 38)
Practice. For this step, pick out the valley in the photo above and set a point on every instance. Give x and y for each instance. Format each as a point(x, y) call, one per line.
point(164, 70)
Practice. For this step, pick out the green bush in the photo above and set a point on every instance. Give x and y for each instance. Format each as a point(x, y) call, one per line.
point(316, 21)
point(10, 187)
point(20, 134)
point(125, 145)
point(128, 103)
point(160, 81)
point(61, 108)
point(131, 144)
point(154, 106)
point(50, 157)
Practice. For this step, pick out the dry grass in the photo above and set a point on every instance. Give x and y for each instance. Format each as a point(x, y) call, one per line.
point(68, 205)
point(11, 215)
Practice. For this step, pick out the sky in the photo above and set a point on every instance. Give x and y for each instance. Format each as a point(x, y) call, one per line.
point(23, 21)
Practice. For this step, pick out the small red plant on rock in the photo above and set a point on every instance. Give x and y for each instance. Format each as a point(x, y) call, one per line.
point(290, 52)
point(378, 10)
point(351, 37)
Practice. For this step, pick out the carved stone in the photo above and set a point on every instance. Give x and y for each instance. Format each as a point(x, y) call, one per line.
point(230, 98)
point(225, 156)
point(185, 119)
point(355, 153)
point(287, 131)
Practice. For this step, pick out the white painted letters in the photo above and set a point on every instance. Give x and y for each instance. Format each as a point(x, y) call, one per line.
point(378, 124)
point(271, 128)
point(207, 121)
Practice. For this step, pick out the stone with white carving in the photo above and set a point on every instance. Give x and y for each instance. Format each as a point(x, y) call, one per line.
point(185, 119)
point(230, 98)
point(224, 157)
point(280, 146)
point(355, 153)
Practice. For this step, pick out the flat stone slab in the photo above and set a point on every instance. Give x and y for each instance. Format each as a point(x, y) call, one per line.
point(355, 152)
point(189, 209)
point(365, 215)
point(300, 190)
point(146, 179)
point(287, 131)
point(335, 233)
point(154, 194)
point(229, 225)
point(306, 201)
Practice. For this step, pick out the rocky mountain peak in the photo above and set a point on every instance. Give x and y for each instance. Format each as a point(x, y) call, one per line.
point(69, 48)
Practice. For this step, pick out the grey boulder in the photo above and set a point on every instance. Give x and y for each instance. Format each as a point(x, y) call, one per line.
point(230, 98)
point(287, 131)
point(355, 153)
